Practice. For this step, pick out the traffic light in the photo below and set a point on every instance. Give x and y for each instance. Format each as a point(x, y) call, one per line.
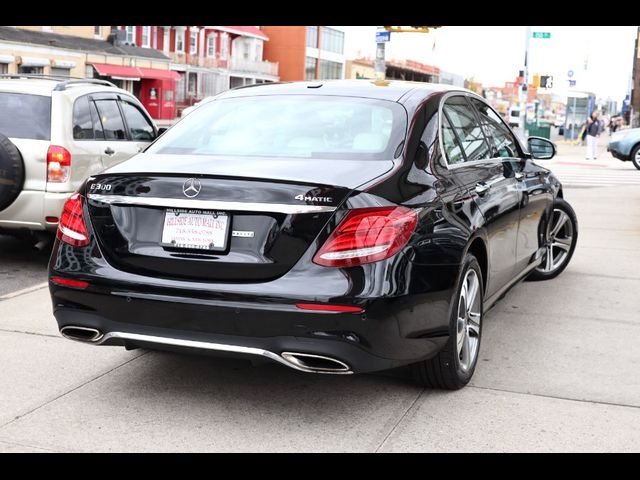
point(536, 81)
point(546, 81)
point(409, 29)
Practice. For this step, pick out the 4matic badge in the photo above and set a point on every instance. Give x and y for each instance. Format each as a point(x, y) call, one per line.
point(308, 198)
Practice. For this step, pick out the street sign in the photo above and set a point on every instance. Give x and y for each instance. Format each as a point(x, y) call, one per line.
point(382, 37)
point(572, 83)
point(541, 34)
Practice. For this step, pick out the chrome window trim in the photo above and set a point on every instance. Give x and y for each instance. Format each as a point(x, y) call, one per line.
point(443, 99)
point(208, 204)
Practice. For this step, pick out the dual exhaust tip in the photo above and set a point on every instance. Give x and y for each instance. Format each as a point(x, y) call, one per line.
point(300, 361)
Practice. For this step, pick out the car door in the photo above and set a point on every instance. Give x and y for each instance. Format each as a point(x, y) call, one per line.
point(490, 182)
point(140, 129)
point(115, 145)
point(87, 149)
point(535, 195)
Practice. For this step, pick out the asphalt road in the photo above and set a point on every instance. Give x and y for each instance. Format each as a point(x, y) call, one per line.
point(558, 368)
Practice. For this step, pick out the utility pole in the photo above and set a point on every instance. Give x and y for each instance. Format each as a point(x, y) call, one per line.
point(524, 87)
point(380, 67)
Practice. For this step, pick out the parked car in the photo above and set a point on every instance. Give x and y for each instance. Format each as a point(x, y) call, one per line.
point(190, 109)
point(333, 227)
point(625, 145)
point(54, 133)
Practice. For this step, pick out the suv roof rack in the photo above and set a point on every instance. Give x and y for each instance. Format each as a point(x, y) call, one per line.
point(64, 80)
point(69, 83)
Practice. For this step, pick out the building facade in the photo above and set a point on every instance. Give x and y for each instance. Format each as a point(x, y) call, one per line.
point(90, 52)
point(207, 59)
point(306, 52)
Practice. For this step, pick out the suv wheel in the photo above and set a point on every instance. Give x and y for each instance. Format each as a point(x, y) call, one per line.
point(11, 172)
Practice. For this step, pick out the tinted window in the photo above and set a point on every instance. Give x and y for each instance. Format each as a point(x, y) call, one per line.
point(111, 120)
point(25, 116)
point(451, 146)
point(97, 125)
point(468, 130)
point(497, 132)
point(139, 126)
point(82, 122)
point(289, 126)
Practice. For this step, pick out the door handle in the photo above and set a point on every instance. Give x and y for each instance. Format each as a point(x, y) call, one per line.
point(519, 176)
point(482, 188)
point(109, 151)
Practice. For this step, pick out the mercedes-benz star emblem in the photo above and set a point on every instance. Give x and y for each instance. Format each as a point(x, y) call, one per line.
point(191, 187)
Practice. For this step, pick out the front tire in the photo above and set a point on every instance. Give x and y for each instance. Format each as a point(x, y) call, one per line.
point(561, 237)
point(635, 156)
point(453, 366)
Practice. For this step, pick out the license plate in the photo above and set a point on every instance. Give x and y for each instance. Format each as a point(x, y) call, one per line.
point(195, 229)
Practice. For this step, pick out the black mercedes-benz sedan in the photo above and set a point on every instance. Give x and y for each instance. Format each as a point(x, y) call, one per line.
point(332, 227)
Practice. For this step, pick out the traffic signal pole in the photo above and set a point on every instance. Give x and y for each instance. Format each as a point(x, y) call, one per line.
point(524, 87)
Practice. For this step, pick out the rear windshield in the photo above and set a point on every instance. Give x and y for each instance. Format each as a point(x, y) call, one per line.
point(25, 116)
point(289, 126)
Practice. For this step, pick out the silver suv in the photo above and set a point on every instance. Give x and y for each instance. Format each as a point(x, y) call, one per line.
point(54, 133)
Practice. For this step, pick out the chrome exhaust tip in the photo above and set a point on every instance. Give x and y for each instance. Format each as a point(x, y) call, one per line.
point(81, 334)
point(315, 363)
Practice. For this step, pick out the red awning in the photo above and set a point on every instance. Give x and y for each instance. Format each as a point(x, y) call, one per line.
point(117, 70)
point(134, 72)
point(159, 74)
point(248, 31)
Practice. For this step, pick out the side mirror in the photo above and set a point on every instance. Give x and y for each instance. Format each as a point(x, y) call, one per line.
point(541, 148)
point(161, 130)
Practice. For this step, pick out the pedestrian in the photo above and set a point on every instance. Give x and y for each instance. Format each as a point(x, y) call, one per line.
point(594, 128)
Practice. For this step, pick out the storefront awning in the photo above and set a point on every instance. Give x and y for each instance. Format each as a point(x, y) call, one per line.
point(134, 72)
point(116, 70)
point(159, 74)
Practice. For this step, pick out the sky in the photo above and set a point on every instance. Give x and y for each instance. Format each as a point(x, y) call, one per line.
point(494, 55)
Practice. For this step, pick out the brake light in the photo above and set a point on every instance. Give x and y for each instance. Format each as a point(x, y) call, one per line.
point(58, 164)
point(367, 235)
point(72, 228)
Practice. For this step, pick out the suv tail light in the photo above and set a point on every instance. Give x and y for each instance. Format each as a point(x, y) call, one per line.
point(58, 164)
point(72, 228)
point(367, 235)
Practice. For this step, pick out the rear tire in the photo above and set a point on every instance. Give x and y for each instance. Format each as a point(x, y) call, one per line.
point(635, 156)
point(453, 366)
point(561, 237)
point(11, 172)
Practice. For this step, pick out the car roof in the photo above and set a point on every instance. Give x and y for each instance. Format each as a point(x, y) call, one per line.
point(393, 90)
point(46, 86)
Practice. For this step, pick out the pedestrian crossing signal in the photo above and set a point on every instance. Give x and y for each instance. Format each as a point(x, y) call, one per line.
point(546, 81)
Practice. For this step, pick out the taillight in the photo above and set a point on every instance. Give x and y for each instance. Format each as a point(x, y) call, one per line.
point(367, 235)
point(72, 228)
point(58, 164)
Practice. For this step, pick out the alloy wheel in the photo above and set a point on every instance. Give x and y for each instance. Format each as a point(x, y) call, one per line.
point(559, 242)
point(469, 318)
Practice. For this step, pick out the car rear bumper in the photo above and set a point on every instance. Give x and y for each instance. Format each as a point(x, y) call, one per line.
point(358, 341)
point(30, 210)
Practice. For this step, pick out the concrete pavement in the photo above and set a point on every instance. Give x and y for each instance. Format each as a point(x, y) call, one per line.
point(557, 372)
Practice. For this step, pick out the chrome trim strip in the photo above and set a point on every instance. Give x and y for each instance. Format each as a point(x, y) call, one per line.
point(208, 204)
point(469, 94)
point(220, 347)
